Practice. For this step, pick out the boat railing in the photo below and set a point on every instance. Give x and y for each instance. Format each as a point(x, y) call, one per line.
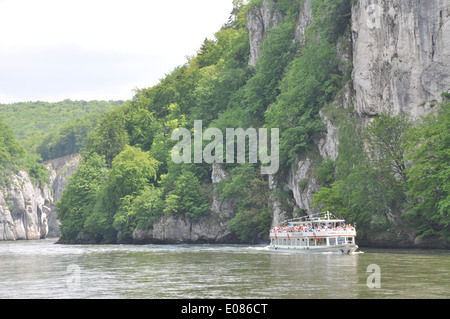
point(314, 218)
point(350, 231)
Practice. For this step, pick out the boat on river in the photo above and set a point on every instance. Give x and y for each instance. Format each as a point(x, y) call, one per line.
point(320, 233)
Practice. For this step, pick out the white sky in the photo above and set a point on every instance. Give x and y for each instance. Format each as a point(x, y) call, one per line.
point(51, 50)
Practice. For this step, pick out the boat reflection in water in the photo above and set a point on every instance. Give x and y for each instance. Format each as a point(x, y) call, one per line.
point(321, 233)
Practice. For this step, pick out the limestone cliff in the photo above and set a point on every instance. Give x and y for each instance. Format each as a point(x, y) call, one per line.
point(27, 210)
point(260, 20)
point(24, 209)
point(401, 55)
point(398, 53)
point(60, 169)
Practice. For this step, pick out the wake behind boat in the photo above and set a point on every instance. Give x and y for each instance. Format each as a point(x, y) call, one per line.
point(322, 233)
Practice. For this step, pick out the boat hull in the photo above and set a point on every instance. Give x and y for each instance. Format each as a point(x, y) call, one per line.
point(344, 249)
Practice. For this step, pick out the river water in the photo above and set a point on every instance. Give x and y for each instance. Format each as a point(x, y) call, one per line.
point(43, 269)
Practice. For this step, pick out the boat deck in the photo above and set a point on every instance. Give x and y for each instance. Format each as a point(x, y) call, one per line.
point(323, 233)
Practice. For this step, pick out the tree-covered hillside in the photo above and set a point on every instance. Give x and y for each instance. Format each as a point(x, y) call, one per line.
point(13, 157)
point(32, 121)
point(127, 179)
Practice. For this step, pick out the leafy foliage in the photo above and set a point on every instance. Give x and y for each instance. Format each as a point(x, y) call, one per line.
point(78, 200)
point(429, 173)
point(246, 186)
point(388, 141)
point(368, 188)
point(110, 137)
point(312, 80)
point(71, 138)
point(13, 157)
point(10, 149)
point(325, 173)
point(403, 176)
point(187, 197)
point(31, 122)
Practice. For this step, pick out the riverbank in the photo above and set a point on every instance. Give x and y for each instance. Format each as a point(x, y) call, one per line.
point(404, 242)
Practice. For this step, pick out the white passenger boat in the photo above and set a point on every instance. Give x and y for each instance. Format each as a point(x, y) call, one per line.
point(321, 233)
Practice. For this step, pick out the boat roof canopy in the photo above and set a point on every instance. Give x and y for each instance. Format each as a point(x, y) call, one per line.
point(317, 218)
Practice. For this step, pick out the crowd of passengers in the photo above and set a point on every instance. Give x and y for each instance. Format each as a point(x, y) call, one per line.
point(310, 228)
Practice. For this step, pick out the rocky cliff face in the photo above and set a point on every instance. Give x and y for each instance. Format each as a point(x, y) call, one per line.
point(60, 169)
point(27, 211)
point(299, 181)
point(24, 209)
point(266, 16)
point(400, 54)
point(260, 20)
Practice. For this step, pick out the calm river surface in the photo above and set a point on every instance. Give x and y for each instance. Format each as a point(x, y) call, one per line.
point(43, 269)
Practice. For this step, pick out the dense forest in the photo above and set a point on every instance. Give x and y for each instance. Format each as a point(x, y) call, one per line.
point(32, 132)
point(393, 172)
point(14, 157)
point(34, 122)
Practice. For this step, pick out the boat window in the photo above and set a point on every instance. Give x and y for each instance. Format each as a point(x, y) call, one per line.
point(321, 241)
point(341, 240)
point(332, 241)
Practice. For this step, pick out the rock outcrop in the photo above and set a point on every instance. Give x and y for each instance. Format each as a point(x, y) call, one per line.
point(177, 229)
point(60, 169)
point(24, 209)
point(401, 55)
point(266, 16)
point(27, 210)
point(259, 20)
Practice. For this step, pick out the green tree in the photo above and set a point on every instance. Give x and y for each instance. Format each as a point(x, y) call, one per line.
point(132, 170)
point(187, 197)
point(109, 137)
point(69, 139)
point(148, 207)
point(388, 141)
point(326, 172)
point(262, 89)
point(10, 148)
point(141, 126)
point(246, 187)
point(311, 82)
point(369, 191)
point(78, 199)
point(32, 121)
point(13, 157)
point(429, 174)
point(252, 220)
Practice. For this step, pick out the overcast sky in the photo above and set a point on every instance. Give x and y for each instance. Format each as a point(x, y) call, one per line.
point(51, 50)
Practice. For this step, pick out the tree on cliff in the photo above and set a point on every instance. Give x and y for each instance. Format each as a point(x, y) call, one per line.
point(13, 157)
point(429, 173)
